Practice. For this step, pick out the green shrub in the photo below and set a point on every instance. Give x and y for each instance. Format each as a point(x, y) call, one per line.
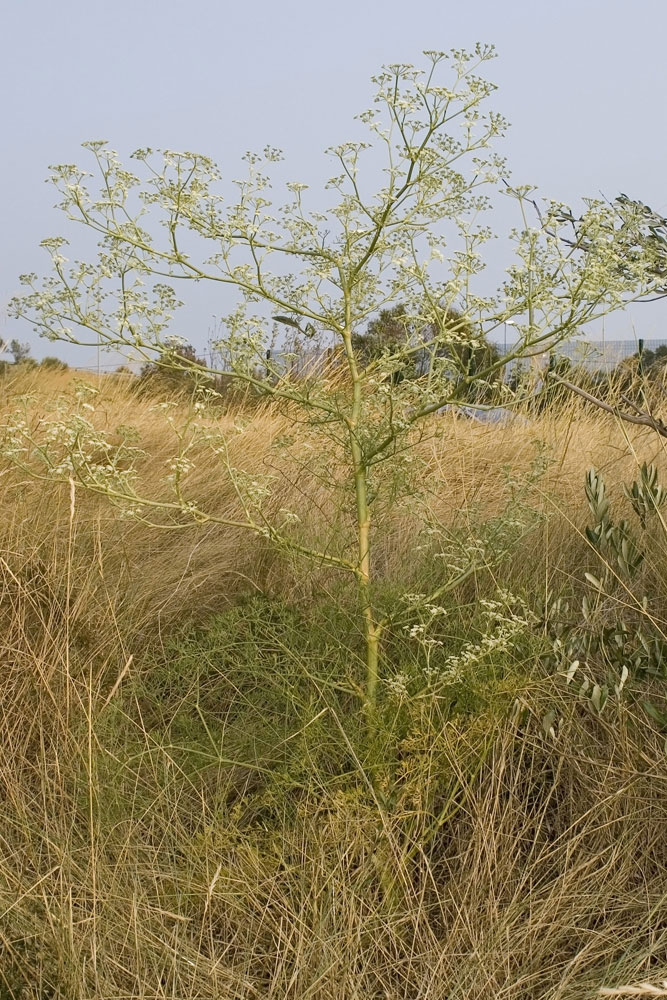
point(53, 364)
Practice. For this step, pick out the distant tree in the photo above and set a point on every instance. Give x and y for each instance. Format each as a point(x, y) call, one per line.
point(176, 368)
point(645, 359)
point(390, 331)
point(53, 363)
point(395, 331)
point(19, 351)
point(648, 359)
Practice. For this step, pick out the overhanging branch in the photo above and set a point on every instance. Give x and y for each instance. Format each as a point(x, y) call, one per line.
point(641, 417)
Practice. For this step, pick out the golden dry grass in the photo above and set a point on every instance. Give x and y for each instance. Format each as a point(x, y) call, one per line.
point(158, 574)
point(127, 873)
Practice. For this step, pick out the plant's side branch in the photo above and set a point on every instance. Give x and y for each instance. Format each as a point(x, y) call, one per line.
point(446, 588)
point(200, 517)
point(641, 417)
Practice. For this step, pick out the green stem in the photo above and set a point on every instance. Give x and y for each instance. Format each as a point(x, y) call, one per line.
point(372, 628)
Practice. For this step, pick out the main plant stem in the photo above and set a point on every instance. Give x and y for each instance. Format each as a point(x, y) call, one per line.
point(372, 628)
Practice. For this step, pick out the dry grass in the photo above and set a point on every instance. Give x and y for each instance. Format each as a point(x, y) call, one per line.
point(132, 866)
point(157, 575)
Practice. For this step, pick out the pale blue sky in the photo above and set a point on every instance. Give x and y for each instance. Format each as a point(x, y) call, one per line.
point(583, 84)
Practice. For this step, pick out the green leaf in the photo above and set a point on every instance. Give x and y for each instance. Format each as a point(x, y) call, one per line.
point(599, 697)
point(548, 723)
point(655, 713)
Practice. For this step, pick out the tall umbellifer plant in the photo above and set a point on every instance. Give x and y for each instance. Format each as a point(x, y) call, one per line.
point(402, 221)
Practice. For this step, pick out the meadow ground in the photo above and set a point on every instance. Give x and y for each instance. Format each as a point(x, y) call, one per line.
point(190, 806)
